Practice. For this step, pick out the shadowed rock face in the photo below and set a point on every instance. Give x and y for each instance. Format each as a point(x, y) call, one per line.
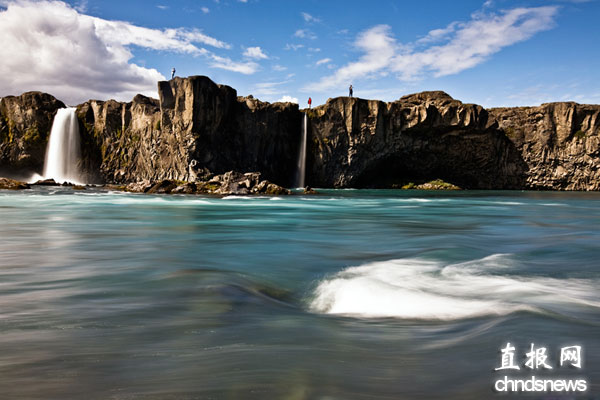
point(559, 142)
point(368, 143)
point(25, 125)
point(198, 127)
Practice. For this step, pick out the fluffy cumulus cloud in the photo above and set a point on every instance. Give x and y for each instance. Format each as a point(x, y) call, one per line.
point(255, 52)
point(288, 99)
point(445, 51)
point(50, 46)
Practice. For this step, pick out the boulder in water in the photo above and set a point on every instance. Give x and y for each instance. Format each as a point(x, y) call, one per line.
point(11, 184)
point(47, 182)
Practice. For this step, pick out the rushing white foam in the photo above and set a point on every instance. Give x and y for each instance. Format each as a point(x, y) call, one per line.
point(63, 151)
point(418, 289)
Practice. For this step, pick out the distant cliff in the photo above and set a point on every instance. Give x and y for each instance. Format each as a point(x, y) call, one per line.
point(198, 126)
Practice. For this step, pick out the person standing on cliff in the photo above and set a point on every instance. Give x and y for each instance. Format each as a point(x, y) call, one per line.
point(173, 73)
point(309, 102)
point(350, 90)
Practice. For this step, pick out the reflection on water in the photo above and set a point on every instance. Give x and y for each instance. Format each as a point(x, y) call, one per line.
point(349, 294)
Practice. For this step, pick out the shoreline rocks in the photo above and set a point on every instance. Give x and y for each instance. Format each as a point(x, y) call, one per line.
point(11, 184)
point(230, 183)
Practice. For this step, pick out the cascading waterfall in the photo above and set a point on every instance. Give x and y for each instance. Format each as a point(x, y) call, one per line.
point(63, 152)
point(301, 170)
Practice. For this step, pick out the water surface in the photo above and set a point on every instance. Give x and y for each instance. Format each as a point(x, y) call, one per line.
point(347, 294)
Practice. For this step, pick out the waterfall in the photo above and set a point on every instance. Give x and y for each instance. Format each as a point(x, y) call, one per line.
point(63, 152)
point(301, 170)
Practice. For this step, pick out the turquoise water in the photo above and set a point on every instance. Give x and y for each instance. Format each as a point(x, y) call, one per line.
point(347, 294)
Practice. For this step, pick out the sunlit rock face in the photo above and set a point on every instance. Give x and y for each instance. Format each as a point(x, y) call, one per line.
point(559, 142)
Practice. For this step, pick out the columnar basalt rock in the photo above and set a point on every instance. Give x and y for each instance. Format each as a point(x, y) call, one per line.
point(198, 129)
point(196, 125)
point(429, 135)
point(559, 142)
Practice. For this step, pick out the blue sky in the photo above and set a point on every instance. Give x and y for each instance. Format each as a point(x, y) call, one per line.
point(494, 53)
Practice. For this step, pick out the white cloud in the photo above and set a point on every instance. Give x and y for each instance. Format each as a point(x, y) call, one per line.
point(246, 68)
point(309, 18)
point(269, 88)
point(305, 34)
point(464, 45)
point(379, 48)
point(288, 99)
point(279, 68)
point(50, 46)
point(205, 10)
point(314, 49)
point(293, 46)
point(160, 6)
point(255, 52)
point(323, 61)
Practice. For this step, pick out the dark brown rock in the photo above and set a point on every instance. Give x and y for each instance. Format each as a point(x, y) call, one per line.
point(368, 143)
point(47, 182)
point(25, 125)
point(11, 184)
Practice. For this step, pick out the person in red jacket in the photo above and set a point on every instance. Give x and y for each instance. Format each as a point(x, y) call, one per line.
point(309, 102)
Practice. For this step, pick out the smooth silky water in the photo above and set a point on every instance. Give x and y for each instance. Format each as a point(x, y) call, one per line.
point(347, 294)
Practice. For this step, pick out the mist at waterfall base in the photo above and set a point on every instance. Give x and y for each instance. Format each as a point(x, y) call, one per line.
point(64, 149)
point(348, 294)
point(301, 167)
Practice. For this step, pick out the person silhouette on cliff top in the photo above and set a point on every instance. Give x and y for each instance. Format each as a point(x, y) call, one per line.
point(309, 102)
point(350, 91)
point(173, 73)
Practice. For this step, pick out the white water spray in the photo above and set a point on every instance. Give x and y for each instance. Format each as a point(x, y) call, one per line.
point(301, 170)
point(63, 150)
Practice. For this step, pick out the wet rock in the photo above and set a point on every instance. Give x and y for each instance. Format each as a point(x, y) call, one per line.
point(269, 188)
point(47, 182)
point(186, 188)
point(11, 184)
point(437, 184)
point(165, 186)
point(138, 187)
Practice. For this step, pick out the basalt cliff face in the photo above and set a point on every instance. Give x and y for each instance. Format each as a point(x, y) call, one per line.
point(559, 143)
point(25, 124)
point(420, 137)
point(197, 128)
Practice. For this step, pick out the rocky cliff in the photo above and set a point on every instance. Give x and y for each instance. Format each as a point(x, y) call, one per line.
point(195, 127)
point(198, 128)
point(559, 143)
point(358, 143)
point(25, 124)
